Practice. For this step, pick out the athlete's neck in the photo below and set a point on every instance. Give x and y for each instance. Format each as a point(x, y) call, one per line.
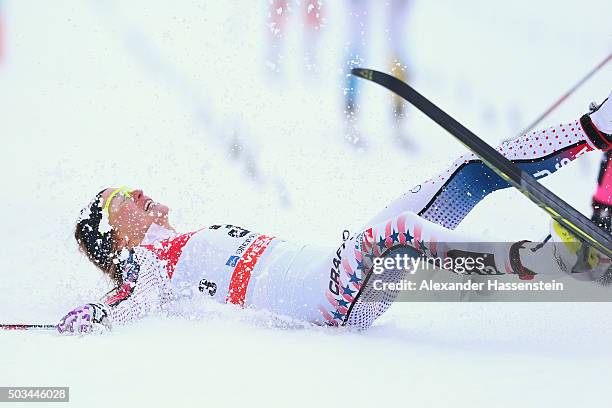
point(157, 233)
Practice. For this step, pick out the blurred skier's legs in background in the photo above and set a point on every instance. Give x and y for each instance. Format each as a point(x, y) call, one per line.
point(313, 19)
point(396, 22)
point(396, 17)
point(355, 57)
point(357, 18)
point(278, 14)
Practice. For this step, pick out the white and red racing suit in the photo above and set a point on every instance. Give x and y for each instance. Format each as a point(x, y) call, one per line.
point(234, 265)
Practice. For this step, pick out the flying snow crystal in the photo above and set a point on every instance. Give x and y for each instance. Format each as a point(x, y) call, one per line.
point(84, 214)
point(86, 211)
point(279, 11)
point(104, 225)
point(124, 254)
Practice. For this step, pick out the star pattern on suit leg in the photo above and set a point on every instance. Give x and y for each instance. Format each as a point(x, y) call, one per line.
point(408, 236)
point(381, 244)
point(342, 303)
point(347, 290)
point(337, 315)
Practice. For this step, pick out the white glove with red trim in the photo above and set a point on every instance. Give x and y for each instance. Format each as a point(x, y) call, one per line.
point(601, 116)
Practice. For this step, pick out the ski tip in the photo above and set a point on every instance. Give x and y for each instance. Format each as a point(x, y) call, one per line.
point(362, 72)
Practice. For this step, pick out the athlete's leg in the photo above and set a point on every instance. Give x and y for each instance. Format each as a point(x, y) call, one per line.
point(354, 299)
point(427, 233)
point(352, 263)
point(449, 196)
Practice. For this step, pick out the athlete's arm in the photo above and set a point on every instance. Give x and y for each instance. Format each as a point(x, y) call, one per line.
point(143, 289)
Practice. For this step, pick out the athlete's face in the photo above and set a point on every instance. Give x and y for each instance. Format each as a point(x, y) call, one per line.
point(132, 214)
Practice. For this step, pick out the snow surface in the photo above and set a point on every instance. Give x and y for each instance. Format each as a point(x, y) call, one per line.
point(153, 95)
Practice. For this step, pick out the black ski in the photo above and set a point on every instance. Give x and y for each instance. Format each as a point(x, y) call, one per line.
point(558, 209)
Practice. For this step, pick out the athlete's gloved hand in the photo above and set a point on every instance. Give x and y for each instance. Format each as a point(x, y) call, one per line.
point(602, 115)
point(85, 319)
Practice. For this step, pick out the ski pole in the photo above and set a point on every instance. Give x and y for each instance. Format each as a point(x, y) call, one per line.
point(563, 98)
point(28, 327)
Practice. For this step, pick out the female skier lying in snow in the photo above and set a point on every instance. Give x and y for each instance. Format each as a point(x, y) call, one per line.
point(128, 236)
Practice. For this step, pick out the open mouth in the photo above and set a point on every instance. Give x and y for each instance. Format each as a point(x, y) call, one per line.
point(148, 204)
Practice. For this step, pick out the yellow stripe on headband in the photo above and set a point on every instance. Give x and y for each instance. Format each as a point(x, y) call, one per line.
point(123, 190)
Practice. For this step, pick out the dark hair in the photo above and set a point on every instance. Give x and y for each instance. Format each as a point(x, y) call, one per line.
point(100, 247)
